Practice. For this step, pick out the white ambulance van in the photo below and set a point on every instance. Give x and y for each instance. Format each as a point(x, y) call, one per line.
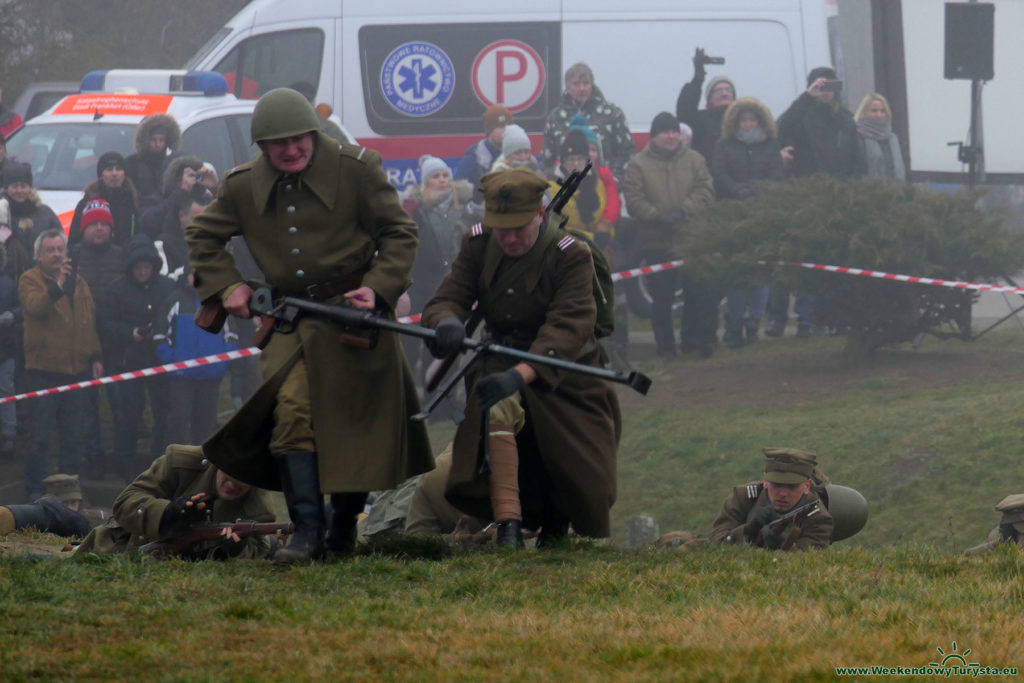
point(412, 77)
point(64, 144)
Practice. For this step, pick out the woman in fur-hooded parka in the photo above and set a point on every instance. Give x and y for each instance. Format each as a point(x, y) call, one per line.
point(146, 167)
point(746, 153)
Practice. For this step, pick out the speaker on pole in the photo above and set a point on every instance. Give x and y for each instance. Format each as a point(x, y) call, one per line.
point(969, 40)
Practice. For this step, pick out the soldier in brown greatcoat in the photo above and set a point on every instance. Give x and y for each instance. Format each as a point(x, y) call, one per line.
point(322, 222)
point(551, 433)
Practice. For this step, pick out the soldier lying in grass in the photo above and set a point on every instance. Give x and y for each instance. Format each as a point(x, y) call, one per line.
point(179, 490)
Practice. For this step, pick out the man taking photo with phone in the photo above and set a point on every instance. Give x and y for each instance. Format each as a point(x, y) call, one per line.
point(818, 134)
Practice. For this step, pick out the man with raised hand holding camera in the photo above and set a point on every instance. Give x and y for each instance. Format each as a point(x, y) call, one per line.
point(719, 94)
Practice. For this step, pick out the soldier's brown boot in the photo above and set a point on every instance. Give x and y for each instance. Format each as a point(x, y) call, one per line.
point(300, 481)
point(505, 486)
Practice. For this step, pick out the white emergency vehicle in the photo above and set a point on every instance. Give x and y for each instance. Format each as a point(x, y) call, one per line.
point(410, 77)
point(64, 144)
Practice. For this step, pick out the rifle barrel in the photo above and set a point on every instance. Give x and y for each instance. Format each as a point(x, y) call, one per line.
point(351, 316)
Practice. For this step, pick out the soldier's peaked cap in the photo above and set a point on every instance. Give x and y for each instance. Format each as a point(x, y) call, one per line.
point(64, 486)
point(1012, 508)
point(788, 465)
point(512, 198)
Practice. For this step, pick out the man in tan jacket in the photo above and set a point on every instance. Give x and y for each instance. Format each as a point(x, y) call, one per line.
point(61, 347)
point(666, 185)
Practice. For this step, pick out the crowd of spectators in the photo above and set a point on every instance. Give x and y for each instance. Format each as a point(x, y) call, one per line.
point(116, 294)
point(111, 295)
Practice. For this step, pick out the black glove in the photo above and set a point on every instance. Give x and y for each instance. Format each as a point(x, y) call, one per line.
point(671, 217)
point(699, 60)
point(770, 539)
point(226, 548)
point(182, 511)
point(493, 388)
point(763, 517)
point(448, 337)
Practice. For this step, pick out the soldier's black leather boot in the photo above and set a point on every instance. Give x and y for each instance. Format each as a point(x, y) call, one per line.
point(49, 515)
point(510, 534)
point(300, 481)
point(553, 532)
point(341, 536)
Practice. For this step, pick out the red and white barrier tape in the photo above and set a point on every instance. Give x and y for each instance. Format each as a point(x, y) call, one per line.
point(956, 284)
point(616, 277)
point(135, 374)
point(646, 270)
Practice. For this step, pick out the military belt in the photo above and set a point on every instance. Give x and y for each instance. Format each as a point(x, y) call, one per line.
point(322, 291)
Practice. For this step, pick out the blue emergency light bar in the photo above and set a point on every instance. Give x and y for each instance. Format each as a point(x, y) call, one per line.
point(156, 81)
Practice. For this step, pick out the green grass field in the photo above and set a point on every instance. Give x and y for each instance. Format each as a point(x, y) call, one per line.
point(930, 436)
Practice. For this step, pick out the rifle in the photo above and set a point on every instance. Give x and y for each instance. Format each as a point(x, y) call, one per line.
point(197, 534)
point(805, 510)
point(555, 206)
point(794, 515)
point(286, 311)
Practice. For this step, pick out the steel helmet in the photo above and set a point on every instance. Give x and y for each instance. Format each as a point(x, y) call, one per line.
point(848, 508)
point(282, 113)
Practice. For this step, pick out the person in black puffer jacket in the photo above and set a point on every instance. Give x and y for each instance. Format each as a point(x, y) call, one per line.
point(819, 134)
point(157, 141)
point(127, 322)
point(99, 262)
point(745, 155)
point(29, 216)
point(114, 187)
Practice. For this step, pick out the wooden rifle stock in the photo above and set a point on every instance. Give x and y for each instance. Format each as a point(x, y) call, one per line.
point(211, 315)
point(211, 531)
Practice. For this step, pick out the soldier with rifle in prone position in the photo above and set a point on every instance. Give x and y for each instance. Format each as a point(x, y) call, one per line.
point(179, 491)
point(781, 512)
point(538, 446)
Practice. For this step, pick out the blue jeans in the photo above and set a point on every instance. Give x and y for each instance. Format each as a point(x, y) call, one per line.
point(778, 309)
point(61, 413)
point(749, 302)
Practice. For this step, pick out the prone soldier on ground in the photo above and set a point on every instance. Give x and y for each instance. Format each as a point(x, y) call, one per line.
point(57, 512)
point(755, 513)
point(1010, 529)
point(180, 489)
